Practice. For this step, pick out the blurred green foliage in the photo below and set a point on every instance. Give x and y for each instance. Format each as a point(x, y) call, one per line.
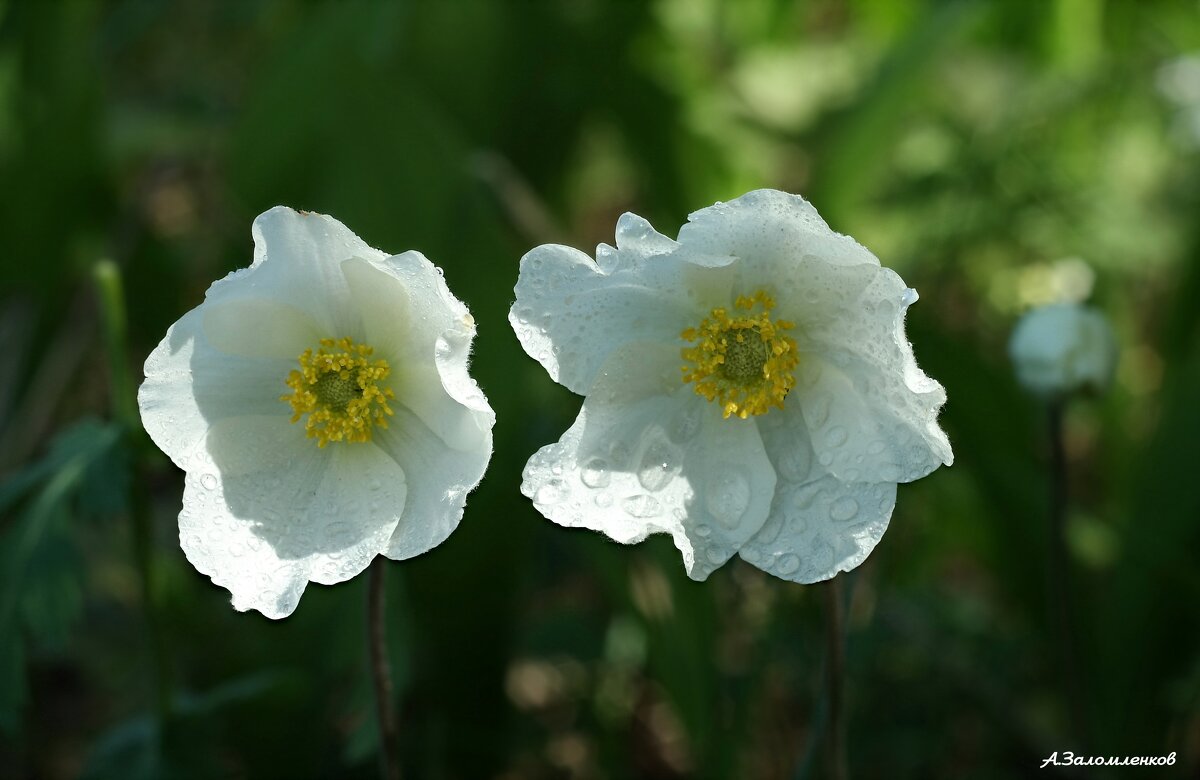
point(998, 154)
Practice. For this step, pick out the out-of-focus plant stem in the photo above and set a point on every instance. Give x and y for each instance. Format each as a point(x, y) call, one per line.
point(114, 327)
point(1059, 582)
point(381, 673)
point(123, 402)
point(835, 670)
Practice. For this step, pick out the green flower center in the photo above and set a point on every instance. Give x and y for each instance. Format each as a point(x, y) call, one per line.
point(335, 392)
point(745, 355)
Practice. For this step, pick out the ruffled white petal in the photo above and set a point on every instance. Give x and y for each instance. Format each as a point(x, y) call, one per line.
point(818, 525)
point(646, 455)
point(412, 319)
point(297, 262)
point(771, 231)
point(439, 479)
point(190, 385)
point(306, 251)
point(265, 511)
point(869, 425)
point(571, 313)
point(872, 409)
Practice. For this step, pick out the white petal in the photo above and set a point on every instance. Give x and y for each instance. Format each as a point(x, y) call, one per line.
point(190, 385)
point(818, 525)
point(870, 424)
point(637, 237)
point(646, 455)
point(770, 231)
point(439, 479)
point(265, 510)
point(571, 313)
point(873, 410)
point(412, 319)
point(297, 260)
point(306, 251)
point(259, 327)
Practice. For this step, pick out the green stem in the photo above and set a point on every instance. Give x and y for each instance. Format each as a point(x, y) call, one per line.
point(381, 673)
point(113, 325)
point(835, 651)
point(1062, 612)
point(143, 557)
point(123, 401)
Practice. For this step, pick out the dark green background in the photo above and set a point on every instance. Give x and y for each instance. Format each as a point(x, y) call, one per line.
point(991, 152)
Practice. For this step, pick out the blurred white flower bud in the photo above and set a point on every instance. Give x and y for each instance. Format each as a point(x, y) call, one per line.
point(1063, 348)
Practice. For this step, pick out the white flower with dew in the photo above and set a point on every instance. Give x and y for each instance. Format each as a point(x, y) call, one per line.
point(1063, 348)
point(320, 405)
point(748, 388)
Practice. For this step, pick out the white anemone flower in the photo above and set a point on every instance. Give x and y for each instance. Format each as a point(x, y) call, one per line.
point(320, 405)
point(1063, 348)
point(748, 388)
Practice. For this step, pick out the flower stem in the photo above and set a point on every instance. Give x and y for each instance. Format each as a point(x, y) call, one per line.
point(835, 652)
point(381, 673)
point(1060, 601)
point(113, 324)
point(123, 401)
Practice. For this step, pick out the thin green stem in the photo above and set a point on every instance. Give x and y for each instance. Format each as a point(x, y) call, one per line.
point(143, 554)
point(113, 326)
point(835, 670)
point(123, 401)
point(1059, 581)
point(381, 672)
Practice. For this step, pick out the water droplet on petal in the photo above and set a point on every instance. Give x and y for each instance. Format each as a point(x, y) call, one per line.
point(703, 531)
point(209, 481)
point(595, 473)
point(660, 463)
point(818, 410)
point(641, 505)
point(716, 555)
point(728, 496)
point(788, 564)
point(845, 508)
point(604, 500)
point(836, 436)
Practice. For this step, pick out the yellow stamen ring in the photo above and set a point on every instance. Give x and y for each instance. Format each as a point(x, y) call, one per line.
point(743, 362)
point(338, 388)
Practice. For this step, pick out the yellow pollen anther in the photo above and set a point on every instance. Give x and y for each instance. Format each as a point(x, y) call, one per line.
point(338, 388)
point(743, 362)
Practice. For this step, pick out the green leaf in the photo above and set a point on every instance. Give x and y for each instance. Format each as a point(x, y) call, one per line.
point(141, 747)
point(40, 589)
